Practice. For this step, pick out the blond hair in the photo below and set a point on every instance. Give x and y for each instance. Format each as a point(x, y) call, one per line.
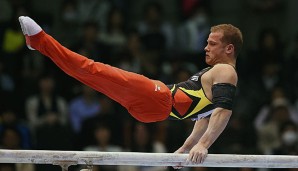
point(231, 35)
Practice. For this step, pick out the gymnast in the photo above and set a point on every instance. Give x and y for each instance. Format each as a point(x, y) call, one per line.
point(207, 97)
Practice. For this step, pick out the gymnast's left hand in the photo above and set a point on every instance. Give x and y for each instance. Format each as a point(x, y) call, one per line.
point(198, 154)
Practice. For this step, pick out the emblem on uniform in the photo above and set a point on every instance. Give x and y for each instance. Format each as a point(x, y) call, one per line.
point(194, 78)
point(157, 88)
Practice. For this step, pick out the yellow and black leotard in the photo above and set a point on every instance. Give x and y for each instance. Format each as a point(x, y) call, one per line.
point(189, 99)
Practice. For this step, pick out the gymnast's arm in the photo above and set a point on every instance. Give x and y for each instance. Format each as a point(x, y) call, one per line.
point(197, 132)
point(203, 136)
point(217, 124)
point(224, 79)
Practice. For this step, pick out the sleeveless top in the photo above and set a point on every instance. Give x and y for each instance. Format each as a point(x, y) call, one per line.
point(189, 99)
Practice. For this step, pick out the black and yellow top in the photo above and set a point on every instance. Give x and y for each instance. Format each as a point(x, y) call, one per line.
point(189, 99)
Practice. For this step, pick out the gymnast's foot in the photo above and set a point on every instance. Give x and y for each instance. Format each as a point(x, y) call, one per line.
point(29, 28)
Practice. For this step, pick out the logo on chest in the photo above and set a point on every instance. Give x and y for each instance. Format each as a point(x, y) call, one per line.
point(194, 78)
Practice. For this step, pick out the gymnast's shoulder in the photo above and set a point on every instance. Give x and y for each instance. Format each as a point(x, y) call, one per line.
point(224, 73)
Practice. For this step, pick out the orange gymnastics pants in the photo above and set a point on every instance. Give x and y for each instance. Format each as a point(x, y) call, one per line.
point(145, 99)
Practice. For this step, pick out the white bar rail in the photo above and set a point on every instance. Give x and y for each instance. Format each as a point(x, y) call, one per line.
point(145, 159)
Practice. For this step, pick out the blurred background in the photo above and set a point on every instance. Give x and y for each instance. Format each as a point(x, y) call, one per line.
point(43, 108)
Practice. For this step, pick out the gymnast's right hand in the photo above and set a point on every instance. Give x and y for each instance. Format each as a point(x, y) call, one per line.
point(180, 151)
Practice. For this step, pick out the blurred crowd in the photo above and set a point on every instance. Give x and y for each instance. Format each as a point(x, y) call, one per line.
point(43, 108)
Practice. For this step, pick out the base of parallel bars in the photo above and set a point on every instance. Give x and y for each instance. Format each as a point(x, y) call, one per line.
point(65, 164)
point(89, 168)
point(86, 169)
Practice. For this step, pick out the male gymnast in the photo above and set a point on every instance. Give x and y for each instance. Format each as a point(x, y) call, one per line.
point(207, 97)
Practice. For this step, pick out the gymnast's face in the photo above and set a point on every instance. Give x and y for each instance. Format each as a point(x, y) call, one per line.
point(215, 48)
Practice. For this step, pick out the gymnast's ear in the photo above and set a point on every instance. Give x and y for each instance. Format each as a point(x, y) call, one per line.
point(229, 49)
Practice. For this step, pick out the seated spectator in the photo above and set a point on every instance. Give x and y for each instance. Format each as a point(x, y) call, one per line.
point(7, 86)
point(114, 35)
point(93, 10)
point(12, 42)
point(46, 105)
point(268, 133)
point(193, 33)
point(82, 107)
point(107, 115)
point(278, 98)
point(11, 138)
point(46, 112)
point(289, 139)
point(157, 33)
point(143, 142)
point(102, 134)
point(89, 44)
point(132, 57)
point(9, 119)
point(68, 23)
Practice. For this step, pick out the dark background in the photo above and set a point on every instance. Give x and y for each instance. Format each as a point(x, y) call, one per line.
point(40, 106)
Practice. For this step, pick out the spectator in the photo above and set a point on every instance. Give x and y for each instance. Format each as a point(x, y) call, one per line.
point(114, 35)
point(269, 53)
point(9, 119)
point(102, 135)
point(291, 69)
point(268, 133)
point(289, 139)
point(89, 44)
point(82, 107)
point(93, 10)
point(268, 61)
point(7, 83)
point(189, 6)
point(239, 138)
point(5, 11)
point(194, 32)
point(11, 138)
point(157, 33)
point(278, 98)
point(132, 56)
point(264, 6)
point(107, 115)
point(12, 43)
point(46, 105)
point(143, 142)
point(68, 24)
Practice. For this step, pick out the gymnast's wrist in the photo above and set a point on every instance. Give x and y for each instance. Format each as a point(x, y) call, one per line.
point(204, 144)
point(182, 150)
point(187, 146)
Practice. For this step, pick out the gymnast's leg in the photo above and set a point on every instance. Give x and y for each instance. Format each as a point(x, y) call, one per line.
point(147, 100)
